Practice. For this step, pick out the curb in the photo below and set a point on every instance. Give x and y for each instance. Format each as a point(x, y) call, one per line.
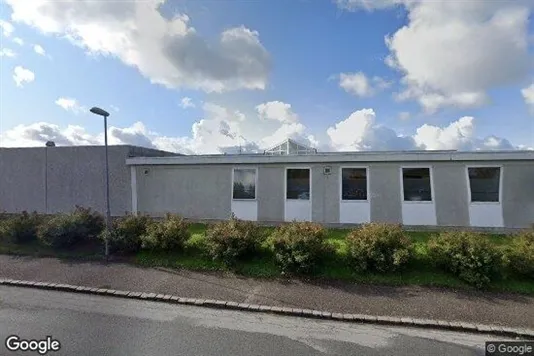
point(306, 313)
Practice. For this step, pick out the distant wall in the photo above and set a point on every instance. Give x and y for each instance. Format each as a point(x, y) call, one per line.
point(56, 179)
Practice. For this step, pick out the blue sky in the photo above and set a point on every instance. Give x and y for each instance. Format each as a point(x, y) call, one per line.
point(459, 75)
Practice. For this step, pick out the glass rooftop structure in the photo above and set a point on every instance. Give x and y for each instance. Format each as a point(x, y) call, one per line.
point(289, 147)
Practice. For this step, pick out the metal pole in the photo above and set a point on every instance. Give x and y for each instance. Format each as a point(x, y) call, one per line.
point(46, 179)
point(108, 213)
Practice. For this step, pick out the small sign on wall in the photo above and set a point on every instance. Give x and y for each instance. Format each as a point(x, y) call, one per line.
point(327, 170)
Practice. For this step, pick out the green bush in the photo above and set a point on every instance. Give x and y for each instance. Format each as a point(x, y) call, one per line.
point(299, 246)
point(171, 233)
point(92, 220)
point(519, 257)
point(20, 228)
point(62, 231)
point(468, 255)
point(379, 247)
point(125, 235)
point(234, 239)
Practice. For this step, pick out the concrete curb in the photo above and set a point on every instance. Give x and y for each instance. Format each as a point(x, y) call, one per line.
point(306, 313)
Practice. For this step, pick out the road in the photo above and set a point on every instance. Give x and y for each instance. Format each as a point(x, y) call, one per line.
point(95, 325)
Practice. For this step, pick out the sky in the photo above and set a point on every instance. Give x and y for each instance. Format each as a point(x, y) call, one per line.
point(228, 76)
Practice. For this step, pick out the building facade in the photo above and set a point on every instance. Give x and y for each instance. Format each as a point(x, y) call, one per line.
point(432, 188)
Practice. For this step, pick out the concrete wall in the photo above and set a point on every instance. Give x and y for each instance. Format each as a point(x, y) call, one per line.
point(204, 191)
point(56, 179)
point(191, 191)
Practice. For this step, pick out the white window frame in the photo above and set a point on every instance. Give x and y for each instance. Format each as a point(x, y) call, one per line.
point(432, 193)
point(501, 170)
point(285, 184)
point(255, 182)
point(367, 183)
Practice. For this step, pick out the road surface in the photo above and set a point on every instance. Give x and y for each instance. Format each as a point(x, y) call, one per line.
point(96, 325)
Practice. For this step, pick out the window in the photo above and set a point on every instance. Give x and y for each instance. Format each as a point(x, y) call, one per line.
point(353, 184)
point(298, 184)
point(416, 184)
point(244, 184)
point(484, 183)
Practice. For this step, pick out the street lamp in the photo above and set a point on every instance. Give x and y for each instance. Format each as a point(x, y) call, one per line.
point(47, 144)
point(105, 114)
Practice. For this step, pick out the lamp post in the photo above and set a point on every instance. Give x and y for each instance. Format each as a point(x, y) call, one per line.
point(105, 114)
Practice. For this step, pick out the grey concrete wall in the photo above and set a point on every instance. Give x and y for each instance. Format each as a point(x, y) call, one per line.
point(191, 191)
point(451, 194)
point(325, 194)
point(56, 179)
point(271, 195)
point(385, 192)
point(204, 192)
point(518, 194)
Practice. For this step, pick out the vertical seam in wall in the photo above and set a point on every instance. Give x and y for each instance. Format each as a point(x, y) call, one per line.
point(133, 173)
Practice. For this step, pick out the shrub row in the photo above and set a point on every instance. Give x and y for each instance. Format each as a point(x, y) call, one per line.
point(297, 247)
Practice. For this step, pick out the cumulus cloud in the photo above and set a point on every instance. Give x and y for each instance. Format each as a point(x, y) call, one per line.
point(187, 103)
point(22, 76)
point(7, 28)
point(6, 52)
point(215, 133)
point(359, 85)
point(18, 41)
point(528, 96)
point(70, 104)
point(39, 50)
point(451, 53)
point(167, 50)
point(361, 132)
point(277, 110)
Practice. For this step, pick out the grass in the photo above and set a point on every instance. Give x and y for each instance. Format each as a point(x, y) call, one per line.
point(419, 272)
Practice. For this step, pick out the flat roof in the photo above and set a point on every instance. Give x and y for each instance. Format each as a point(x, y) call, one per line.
point(333, 157)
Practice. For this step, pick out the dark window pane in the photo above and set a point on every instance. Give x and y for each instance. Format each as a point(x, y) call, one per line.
point(353, 184)
point(298, 184)
point(416, 184)
point(484, 183)
point(244, 184)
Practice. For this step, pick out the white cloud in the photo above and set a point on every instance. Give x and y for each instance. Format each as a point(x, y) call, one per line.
point(528, 95)
point(360, 132)
point(218, 112)
point(187, 103)
point(7, 52)
point(218, 134)
point(114, 108)
point(359, 85)
point(39, 50)
point(22, 75)
point(7, 28)
point(277, 110)
point(451, 53)
point(70, 104)
point(168, 51)
point(18, 41)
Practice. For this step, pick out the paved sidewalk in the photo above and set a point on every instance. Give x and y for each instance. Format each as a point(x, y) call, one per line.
point(509, 310)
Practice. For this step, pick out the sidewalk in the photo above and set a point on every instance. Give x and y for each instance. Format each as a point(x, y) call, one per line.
point(508, 310)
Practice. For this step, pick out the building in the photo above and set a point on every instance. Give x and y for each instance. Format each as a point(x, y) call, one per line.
point(287, 182)
point(55, 179)
point(291, 181)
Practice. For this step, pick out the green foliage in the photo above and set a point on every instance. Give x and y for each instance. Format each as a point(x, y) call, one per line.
point(468, 255)
point(519, 257)
point(125, 235)
point(234, 239)
point(19, 228)
point(92, 220)
point(299, 246)
point(67, 230)
point(171, 233)
point(379, 247)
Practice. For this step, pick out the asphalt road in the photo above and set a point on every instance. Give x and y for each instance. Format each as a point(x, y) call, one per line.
point(95, 325)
